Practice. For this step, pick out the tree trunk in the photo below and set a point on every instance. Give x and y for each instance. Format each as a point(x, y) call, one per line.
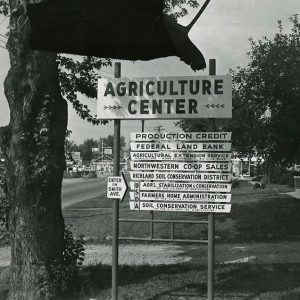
point(34, 149)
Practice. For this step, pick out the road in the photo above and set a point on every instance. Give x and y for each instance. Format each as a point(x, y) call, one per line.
point(79, 189)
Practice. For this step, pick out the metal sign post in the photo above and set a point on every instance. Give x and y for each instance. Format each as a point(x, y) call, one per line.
point(115, 229)
point(211, 217)
point(165, 164)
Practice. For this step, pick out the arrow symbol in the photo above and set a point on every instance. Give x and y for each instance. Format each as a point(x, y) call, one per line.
point(116, 187)
point(215, 105)
point(112, 107)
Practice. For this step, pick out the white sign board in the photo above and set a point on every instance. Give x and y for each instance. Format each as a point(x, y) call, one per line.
point(108, 151)
point(181, 186)
point(180, 166)
point(180, 156)
point(116, 187)
point(180, 136)
point(186, 207)
point(184, 97)
point(179, 176)
point(175, 196)
point(218, 147)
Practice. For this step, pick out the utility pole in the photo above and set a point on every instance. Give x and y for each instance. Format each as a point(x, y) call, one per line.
point(115, 221)
point(159, 128)
point(211, 217)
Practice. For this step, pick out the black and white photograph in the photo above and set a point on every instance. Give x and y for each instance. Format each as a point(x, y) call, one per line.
point(149, 150)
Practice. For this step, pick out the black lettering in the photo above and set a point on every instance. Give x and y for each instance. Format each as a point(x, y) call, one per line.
point(121, 89)
point(109, 90)
point(219, 86)
point(161, 90)
point(193, 106)
point(130, 104)
point(148, 91)
point(172, 92)
point(194, 90)
point(180, 106)
point(132, 89)
point(182, 84)
point(157, 106)
point(169, 102)
point(144, 107)
point(206, 86)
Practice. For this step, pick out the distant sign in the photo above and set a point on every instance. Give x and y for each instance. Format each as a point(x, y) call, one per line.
point(165, 97)
point(180, 166)
point(108, 151)
point(116, 187)
point(180, 136)
point(186, 207)
point(185, 196)
point(181, 186)
point(179, 176)
point(218, 147)
point(180, 156)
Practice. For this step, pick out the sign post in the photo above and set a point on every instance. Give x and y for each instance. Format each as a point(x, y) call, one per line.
point(211, 217)
point(171, 171)
point(115, 229)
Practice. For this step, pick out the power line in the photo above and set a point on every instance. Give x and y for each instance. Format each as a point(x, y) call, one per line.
point(3, 47)
point(3, 35)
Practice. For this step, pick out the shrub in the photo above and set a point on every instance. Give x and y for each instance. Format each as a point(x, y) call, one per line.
point(92, 174)
point(256, 185)
point(72, 175)
point(263, 185)
point(235, 183)
point(257, 178)
point(57, 279)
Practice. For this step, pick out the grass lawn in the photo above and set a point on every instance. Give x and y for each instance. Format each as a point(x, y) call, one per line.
point(256, 216)
point(264, 225)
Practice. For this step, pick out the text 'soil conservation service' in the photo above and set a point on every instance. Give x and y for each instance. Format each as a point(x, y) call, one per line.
point(164, 166)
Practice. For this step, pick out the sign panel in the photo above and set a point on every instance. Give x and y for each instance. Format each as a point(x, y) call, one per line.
point(180, 136)
point(186, 207)
point(180, 156)
point(184, 97)
point(174, 196)
point(180, 166)
point(181, 186)
point(179, 176)
point(116, 187)
point(218, 147)
point(108, 151)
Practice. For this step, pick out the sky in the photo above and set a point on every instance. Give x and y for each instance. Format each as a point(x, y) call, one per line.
point(222, 33)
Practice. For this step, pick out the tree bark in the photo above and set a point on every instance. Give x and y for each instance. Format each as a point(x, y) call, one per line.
point(34, 150)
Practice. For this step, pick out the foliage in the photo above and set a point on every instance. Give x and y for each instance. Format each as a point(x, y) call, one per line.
point(86, 149)
point(235, 183)
point(61, 278)
point(72, 175)
point(4, 7)
point(92, 174)
point(177, 8)
point(285, 177)
point(266, 98)
point(79, 75)
point(109, 141)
